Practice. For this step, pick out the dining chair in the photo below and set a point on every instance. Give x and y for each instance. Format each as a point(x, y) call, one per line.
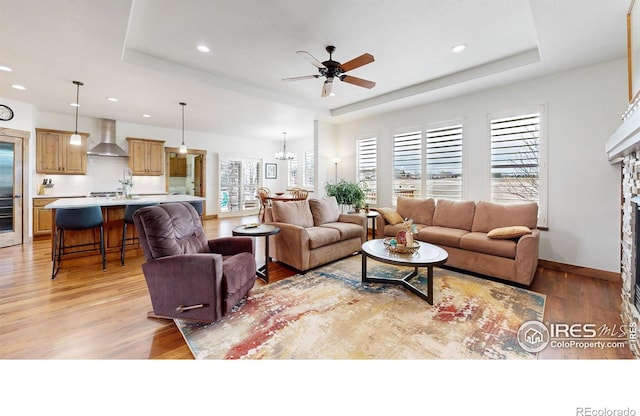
point(299, 193)
point(263, 193)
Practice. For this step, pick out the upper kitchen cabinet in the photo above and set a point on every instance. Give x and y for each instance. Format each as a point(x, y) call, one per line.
point(54, 154)
point(146, 156)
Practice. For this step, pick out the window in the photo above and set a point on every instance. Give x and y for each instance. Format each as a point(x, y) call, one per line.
point(309, 171)
point(444, 162)
point(516, 173)
point(407, 165)
point(292, 171)
point(367, 167)
point(239, 180)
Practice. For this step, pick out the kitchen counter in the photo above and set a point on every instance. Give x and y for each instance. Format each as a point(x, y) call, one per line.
point(112, 202)
point(113, 210)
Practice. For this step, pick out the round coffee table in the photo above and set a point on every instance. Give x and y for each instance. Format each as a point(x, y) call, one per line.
point(262, 230)
point(427, 256)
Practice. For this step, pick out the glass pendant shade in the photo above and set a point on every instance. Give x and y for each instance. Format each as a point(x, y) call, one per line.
point(76, 139)
point(183, 147)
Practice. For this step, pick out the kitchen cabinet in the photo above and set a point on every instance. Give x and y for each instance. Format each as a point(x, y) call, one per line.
point(146, 156)
point(178, 166)
point(54, 154)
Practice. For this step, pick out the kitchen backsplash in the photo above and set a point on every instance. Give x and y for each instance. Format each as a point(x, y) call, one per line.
point(103, 173)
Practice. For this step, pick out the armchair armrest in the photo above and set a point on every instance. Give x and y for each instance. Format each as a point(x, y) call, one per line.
point(228, 246)
point(171, 287)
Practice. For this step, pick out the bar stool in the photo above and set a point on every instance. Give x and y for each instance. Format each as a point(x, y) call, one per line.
point(75, 219)
point(128, 219)
point(198, 206)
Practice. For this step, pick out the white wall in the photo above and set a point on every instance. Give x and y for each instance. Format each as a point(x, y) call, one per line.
point(583, 109)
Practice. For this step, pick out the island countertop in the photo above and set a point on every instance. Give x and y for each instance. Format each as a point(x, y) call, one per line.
point(110, 202)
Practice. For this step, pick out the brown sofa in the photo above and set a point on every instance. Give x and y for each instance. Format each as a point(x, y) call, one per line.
point(498, 240)
point(313, 232)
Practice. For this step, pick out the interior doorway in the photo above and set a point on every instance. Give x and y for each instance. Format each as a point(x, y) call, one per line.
point(185, 173)
point(14, 160)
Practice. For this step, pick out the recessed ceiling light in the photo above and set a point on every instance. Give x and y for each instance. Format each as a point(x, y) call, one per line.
point(113, 100)
point(5, 68)
point(146, 116)
point(459, 48)
point(19, 87)
point(203, 49)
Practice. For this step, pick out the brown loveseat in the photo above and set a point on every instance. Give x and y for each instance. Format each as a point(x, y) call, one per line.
point(499, 240)
point(313, 232)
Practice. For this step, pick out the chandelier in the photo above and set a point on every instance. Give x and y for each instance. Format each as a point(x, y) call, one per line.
point(284, 155)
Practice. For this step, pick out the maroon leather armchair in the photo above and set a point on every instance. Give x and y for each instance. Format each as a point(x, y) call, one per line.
point(188, 276)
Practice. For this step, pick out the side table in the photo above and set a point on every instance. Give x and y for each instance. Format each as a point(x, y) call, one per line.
point(262, 230)
point(374, 217)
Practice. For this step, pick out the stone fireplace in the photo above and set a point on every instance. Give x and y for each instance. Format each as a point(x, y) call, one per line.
point(624, 147)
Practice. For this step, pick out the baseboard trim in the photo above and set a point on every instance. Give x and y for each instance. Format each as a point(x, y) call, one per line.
point(583, 271)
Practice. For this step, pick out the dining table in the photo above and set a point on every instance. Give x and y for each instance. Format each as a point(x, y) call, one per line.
point(284, 197)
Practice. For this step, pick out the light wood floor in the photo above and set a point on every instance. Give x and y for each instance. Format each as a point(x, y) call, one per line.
point(90, 314)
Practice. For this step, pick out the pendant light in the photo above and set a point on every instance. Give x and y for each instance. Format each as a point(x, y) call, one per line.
point(183, 147)
point(284, 155)
point(76, 139)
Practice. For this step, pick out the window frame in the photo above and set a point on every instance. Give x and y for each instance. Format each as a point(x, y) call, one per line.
point(542, 155)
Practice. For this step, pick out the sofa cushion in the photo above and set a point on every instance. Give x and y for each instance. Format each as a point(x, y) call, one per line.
point(292, 212)
point(454, 214)
point(506, 233)
point(322, 236)
point(480, 243)
point(390, 215)
point(419, 210)
point(441, 235)
point(324, 210)
point(490, 215)
point(347, 230)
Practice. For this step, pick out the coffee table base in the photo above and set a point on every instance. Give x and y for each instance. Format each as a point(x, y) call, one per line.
point(404, 281)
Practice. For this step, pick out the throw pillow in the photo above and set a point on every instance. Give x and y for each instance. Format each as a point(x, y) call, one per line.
point(504, 233)
point(324, 210)
point(292, 212)
point(390, 215)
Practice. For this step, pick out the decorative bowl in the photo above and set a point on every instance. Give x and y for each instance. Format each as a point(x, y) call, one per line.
point(279, 193)
point(400, 249)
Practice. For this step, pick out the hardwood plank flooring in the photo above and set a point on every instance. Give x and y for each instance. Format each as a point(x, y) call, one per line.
point(87, 313)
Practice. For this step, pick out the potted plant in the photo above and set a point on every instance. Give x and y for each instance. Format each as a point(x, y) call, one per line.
point(347, 193)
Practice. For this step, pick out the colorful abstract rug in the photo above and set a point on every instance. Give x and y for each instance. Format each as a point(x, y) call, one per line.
point(329, 314)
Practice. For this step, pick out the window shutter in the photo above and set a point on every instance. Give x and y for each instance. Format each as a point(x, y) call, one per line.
point(367, 167)
point(407, 165)
point(444, 162)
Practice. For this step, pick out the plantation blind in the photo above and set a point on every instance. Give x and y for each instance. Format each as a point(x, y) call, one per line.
point(309, 171)
point(367, 167)
point(444, 162)
point(292, 171)
point(515, 158)
point(407, 165)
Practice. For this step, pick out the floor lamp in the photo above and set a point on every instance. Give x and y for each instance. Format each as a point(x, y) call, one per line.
point(336, 160)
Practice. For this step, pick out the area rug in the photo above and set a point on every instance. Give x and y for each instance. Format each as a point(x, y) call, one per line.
point(328, 313)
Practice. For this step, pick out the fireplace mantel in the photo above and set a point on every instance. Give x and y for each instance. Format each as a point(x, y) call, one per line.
point(625, 139)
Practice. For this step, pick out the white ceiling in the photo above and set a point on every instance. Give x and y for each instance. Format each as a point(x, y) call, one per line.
point(143, 53)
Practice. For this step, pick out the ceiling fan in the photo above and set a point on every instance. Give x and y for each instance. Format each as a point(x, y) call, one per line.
point(331, 69)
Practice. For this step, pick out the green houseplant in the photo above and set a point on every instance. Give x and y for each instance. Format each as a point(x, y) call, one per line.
point(347, 193)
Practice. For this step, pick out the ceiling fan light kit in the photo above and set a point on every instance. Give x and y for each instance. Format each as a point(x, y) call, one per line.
point(331, 69)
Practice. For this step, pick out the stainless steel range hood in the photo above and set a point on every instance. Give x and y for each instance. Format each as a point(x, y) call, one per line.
point(107, 145)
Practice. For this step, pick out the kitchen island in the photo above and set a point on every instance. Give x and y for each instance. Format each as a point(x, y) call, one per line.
point(113, 214)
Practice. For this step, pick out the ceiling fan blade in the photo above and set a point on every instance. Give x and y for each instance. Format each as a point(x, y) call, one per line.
point(302, 77)
point(358, 81)
point(361, 60)
point(326, 88)
point(306, 55)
